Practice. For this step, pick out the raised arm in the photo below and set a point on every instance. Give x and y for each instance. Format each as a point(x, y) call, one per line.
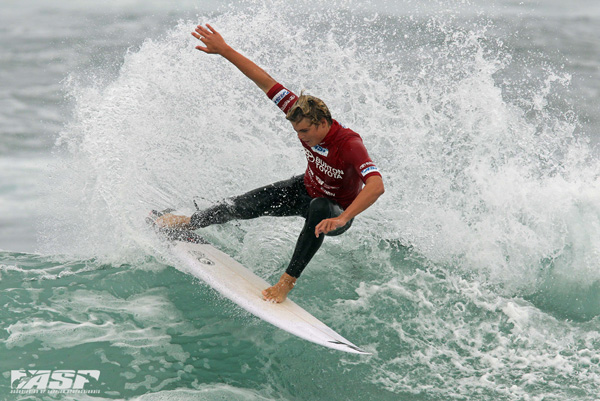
point(215, 44)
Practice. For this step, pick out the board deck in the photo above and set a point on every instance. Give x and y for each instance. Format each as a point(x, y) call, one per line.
point(242, 286)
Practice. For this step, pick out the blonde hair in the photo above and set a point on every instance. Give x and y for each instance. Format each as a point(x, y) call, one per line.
point(310, 107)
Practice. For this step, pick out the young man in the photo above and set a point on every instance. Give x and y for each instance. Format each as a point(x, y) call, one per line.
point(330, 193)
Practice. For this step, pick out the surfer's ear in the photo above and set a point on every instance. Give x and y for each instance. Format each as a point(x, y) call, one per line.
point(323, 121)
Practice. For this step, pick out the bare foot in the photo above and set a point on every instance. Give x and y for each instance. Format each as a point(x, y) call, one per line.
point(278, 293)
point(171, 220)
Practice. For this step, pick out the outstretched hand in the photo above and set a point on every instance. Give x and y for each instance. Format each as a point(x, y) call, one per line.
point(213, 41)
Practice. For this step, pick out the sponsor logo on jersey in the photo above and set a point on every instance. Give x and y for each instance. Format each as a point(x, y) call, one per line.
point(326, 192)
point(323, 184)
point(362, 166)
point(309, 156)
point(320, 184)
point(322, 166)
point(369, 170)
point(328, 170)
point(320, 150)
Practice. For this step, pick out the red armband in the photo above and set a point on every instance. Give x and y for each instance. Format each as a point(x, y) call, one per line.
point(282, 97)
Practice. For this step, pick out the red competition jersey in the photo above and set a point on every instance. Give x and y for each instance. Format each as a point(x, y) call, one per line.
point(338, 166)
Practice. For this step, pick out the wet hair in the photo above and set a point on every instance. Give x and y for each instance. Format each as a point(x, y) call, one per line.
point(310, 107)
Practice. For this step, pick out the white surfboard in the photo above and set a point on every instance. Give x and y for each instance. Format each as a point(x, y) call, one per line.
point(243, 287)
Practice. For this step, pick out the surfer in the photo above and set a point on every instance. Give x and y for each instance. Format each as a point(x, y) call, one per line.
point(328, 195)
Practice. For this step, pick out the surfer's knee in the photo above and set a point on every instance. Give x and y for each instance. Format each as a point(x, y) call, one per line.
point(323, 208)
point(319, 209)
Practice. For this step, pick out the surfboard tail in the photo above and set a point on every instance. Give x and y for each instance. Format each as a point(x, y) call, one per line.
point(348, 347)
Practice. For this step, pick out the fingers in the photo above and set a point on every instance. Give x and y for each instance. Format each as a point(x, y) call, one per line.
point(205, 36)
point(323, 227)
point(318, 229)
point(198, 34)
point(203, 32)
point(328, 225)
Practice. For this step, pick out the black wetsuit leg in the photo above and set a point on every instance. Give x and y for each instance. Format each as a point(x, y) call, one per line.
point(283, 198)
point(308, 244)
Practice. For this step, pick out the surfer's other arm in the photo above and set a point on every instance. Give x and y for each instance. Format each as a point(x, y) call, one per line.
point(215, 44)
point(370, 193)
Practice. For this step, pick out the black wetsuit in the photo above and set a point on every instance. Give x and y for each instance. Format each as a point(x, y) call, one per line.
point(283, 198)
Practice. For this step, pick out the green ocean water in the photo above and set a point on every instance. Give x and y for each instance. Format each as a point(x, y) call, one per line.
point(475, 277)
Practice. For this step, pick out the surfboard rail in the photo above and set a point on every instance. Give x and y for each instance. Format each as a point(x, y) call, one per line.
point(237, 283)
point(240, 285)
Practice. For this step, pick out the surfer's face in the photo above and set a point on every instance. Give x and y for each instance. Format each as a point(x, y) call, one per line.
point(311, 134)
